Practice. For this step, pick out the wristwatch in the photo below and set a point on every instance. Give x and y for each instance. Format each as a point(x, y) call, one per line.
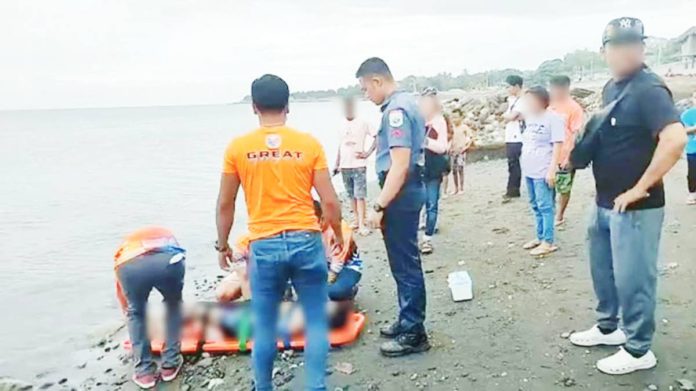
point(221, 249)
point(378, 208)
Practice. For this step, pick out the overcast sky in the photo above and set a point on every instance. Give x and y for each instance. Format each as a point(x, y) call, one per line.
point(95, 53)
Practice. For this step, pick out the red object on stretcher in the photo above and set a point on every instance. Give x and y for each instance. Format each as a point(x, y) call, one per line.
point(344, 335)
point(191, 337)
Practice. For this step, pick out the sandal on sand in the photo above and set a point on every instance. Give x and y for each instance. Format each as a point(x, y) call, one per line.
point(426, 247)
point(543, 249)
point(364, 231)
point(558, 223)
point(531, 244)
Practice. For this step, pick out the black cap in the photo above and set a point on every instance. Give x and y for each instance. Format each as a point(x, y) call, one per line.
point(624, 30)
point(270, 92)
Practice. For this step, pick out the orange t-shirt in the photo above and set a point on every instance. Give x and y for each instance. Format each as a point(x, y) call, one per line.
point(276, 167)
point(573, 115)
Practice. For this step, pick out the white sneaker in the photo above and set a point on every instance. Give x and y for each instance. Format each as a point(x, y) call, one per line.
point(622, 362)
point(594, 337)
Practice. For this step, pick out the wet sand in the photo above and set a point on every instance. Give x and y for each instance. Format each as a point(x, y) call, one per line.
point(510, 336)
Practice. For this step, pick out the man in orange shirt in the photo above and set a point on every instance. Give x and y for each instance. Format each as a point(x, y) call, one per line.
point(564, 104)
point(277, 167)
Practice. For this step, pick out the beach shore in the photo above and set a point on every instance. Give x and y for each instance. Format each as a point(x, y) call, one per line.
point(511, 336)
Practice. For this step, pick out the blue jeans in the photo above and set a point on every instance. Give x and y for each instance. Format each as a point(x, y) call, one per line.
point(400, 232)
point(623, 249)
point(542, 199)
point(298, 256)
point(138, 278)
point(344, 288)
point(432, 199)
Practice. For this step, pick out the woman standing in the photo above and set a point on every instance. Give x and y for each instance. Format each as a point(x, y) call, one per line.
point(150, 258)
point(436, 162)
point(542, 139)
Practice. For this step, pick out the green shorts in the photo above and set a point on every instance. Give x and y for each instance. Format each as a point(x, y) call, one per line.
point(564, 181)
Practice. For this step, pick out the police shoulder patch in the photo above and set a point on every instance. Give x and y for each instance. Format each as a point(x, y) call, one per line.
point(396, 118)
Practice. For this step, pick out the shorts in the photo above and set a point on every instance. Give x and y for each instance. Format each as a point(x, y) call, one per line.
point(459, 160)
point(355, 182)
point(564, 181)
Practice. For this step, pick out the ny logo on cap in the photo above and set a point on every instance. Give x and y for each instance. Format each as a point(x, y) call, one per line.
point(625, 23)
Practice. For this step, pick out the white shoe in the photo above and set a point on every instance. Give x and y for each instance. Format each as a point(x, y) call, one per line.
point(594, 337)
point(622, 362)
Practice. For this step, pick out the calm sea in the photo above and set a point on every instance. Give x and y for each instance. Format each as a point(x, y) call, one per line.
point(73, 182)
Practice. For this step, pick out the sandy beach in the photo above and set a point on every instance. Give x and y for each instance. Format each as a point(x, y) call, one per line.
point(511, 336)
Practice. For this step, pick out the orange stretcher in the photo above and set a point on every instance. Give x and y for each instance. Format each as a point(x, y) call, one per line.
point(337, 337)
point(191, 338)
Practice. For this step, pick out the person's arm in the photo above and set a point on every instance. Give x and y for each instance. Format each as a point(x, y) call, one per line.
point(227, 197)
point(396, 177)
point(691, 130)
point(371, 132)
point(557, 124)
point(330, 205)
point(661, 117)
point(337, 166)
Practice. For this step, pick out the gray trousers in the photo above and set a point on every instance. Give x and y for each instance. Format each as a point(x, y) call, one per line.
point(623, 249)
point(138, 278)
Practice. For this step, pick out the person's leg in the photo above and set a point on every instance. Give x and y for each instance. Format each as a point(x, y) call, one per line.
point(563, 201)
point(401, 242)
point(460, 170)
point(268, 274)
point(432, 190)
point(170, 284)
point(536, 212)
point(349, 186)
point(545, 200)
point(691, 176)
point(514, 151)
point(360, 193)
point(309, 277)
point(635, 241)
point(137, 281)
point(599, 245)
point(344, 286)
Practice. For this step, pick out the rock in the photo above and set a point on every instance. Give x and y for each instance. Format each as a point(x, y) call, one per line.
point(414, 376)
point(652, 387)
point(345, 368)
point(9, 384)
point(685, 384)
point(565, 334)
point(81, 366)
point(215, 383)
point(568, 381)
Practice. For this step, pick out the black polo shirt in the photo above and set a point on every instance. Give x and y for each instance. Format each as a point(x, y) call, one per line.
point(629, 138)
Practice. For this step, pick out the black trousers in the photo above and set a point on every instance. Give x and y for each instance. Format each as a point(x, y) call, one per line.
point(514, 151)
point(691, 176)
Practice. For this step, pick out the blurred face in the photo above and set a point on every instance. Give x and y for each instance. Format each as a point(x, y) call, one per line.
point(559, 93)
point(429, 105)
point(623, 58)
point(373, 88)
point(349, 109)
point(513, 90)
point(533, 104)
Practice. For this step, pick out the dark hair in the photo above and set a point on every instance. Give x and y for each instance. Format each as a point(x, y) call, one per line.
point(560, 81)
point(317, 209)
point(374, 66)
point(270, 93)
point(514, 80)
point(540, 93)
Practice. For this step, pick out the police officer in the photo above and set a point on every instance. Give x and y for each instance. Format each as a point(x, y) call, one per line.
point(640, 140)
point(400, 160)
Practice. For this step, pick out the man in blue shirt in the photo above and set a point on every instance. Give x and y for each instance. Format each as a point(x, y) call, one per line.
point(641, 140)
point(400, 160)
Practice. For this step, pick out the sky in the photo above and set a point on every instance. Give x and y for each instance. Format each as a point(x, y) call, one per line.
point(106, 53)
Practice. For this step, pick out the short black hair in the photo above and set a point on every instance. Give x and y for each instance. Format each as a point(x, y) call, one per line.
point(560, 81)
point(374, 66)
point(540, 93)
point(270, 93)
point(514, 80)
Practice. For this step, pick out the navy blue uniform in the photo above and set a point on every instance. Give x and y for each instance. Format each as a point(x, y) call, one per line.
point(402, 126)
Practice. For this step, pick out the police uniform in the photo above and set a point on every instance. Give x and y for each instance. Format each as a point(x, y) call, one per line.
point(623, 247)
point(403, 126)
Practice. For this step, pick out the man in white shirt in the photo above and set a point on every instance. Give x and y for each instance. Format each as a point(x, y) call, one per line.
point(351, 161)
point(514, 124)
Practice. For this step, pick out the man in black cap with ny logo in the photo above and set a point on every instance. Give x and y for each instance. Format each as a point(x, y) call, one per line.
point(640, 140)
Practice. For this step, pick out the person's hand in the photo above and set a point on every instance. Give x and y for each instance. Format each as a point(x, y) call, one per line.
point(337, 246)
point(332, 277)
point(374, 219)
point(551, 177)
point(624, 200)
point(361, 155)
point(225, 257)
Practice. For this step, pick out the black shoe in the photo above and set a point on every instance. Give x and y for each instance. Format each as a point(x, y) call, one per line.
point(391, 331)
point(512, 194)
point(405, 344)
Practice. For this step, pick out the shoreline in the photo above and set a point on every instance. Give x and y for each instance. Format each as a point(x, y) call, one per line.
point(510, 336)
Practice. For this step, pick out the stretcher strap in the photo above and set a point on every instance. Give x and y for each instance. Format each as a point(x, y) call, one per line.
point(244, 330)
